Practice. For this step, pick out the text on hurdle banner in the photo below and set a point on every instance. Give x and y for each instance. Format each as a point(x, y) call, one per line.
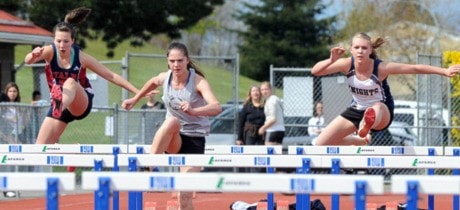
point(76, 160)
point(63, 148)
point(290, 161)
point(232, 182)
point(366, 150)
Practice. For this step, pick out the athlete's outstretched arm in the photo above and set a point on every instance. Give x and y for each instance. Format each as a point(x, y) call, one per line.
point(400, 68)
point(38, 54)
point(333, 64)
point(104, 72)
point(148, 87)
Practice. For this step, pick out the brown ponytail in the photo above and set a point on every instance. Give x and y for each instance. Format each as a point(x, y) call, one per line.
point(77, 16)
point(72, 18)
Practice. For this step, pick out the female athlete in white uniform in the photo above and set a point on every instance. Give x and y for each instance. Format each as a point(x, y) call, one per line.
point(372, 104)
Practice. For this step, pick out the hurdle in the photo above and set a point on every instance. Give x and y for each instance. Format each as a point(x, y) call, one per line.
point(217, 149)
point(63, 148)
point(289, 161)
point(395, 157)
point(55, 159)
point(367, 150)
point(103, 182)
point(51, 182)
point(412, 186)
point(292, 161)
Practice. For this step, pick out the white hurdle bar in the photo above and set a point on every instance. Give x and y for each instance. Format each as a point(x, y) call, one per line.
point(219, 149)
point(233, 149)
point(64, 148)
point(290, 161)
point(103, 182)
point(367, 150)
point(131, 149)
point(412, 186)
point(51, 182)
point(56, 160)
point(452, 151)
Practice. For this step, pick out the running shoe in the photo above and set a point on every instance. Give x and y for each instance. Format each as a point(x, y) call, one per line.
point(9, 194)
point(56, 100)
point(369, 119)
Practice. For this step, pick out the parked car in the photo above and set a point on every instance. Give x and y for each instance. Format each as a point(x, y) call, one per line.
point(419, 115)
point(414, 113)
point(398, 134)
point(224, 131)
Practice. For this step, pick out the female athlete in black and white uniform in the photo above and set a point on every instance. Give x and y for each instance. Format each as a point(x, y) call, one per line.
point(372, 105)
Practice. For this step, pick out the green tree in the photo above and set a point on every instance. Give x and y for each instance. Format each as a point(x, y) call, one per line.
point(283, 33)
point(14, 7)
point(117, 21)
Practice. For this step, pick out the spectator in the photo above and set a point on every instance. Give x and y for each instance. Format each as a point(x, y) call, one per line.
point(14, 115)
point(316, 123)
point(152, 103)
point(14, 122)
point(273, 128)
point(251, 118)
point(37, 99)
point(151, 120)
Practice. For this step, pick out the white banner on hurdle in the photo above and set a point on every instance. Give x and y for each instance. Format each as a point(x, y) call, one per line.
point(408, 162)
point(62, 148)
point(285, 161)
point(55, 159)
point(291, 161)
point(365, 150)
point(222, 149)
point(427, 184)
point(35, 181)
point(233, 182)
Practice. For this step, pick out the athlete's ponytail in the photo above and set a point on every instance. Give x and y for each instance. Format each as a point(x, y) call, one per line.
point(76, 16)
point(72, 18)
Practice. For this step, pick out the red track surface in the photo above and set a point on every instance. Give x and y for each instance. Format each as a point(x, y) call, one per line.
point(207, 201)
